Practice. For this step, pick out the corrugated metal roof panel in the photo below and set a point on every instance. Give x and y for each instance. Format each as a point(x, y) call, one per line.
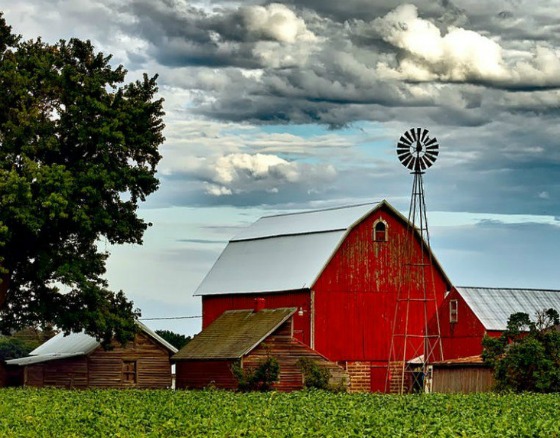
point(493, 306)
point(271, 265)
point(234, 334)
point(74, 343)
point(30, 360)
point(315, 221)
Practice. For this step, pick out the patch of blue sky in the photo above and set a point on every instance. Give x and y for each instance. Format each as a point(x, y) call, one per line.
point(453, 219)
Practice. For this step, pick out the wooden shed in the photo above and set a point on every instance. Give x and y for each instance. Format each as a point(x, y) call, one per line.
point(463, 375)
point(247, 337)
point(342, 268)
point(79, 361)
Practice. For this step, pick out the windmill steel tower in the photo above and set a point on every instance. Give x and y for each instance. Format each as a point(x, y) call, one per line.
point(416, 340)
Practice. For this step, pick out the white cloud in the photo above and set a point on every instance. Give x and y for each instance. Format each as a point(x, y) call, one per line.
point(460, 55)
point(275, 22)
point(242, 173)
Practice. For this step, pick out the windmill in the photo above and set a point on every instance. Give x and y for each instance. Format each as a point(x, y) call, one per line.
point(416, 340)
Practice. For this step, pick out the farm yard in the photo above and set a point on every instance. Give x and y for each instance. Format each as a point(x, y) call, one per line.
point(163, 413)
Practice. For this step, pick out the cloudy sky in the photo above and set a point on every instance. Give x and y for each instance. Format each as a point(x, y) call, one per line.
point(298, 104)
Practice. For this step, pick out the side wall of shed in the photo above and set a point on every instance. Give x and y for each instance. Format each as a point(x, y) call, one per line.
point(200, 374)
point(64, 373)
point(462, 379)
point(148, 362)
point(288, 351)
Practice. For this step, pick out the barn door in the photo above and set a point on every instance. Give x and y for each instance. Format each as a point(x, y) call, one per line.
point(378, 377)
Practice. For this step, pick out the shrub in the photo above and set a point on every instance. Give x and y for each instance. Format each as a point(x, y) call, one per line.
point(260, 378)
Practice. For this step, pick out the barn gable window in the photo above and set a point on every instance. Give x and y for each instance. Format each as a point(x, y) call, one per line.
point(380, 231)
point(129, 371)
point(453, 311)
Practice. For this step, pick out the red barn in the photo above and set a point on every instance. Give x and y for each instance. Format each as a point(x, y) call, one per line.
point(341, 268)
point(468, 313)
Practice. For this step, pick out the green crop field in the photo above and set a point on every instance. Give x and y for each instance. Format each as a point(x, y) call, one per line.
point(61, 413)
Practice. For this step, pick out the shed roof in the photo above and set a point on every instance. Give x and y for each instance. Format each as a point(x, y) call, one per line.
point(75, 344)
point(234, 334)
point(493, 306)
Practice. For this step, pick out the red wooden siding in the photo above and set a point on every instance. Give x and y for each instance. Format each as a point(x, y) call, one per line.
point(214, 305)
point(464, 337)
point(355, 297)
point(200, 374)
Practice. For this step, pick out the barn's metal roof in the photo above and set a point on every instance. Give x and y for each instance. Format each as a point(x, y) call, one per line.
point(73, 345)
point(493, 306)
point(234, 334)
point(283, 252)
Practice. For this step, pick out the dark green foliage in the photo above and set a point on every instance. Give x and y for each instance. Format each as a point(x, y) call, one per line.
point(13, 348)
point(175, 339)
point(261, 378)
point(314, 376)
point(527, 355)
point(78, 152)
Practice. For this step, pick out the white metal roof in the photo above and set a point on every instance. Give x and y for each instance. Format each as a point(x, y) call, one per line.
point(73, 345)
point(281, 253)
point(493, 306)
point(313, 221)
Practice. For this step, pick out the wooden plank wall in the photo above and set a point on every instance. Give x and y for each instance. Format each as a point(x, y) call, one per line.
point(104, 368)
point(287, 351)
point(462, 379)
point(153, 367)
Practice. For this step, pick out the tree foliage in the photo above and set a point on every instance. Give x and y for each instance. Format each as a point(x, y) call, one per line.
point(175, 339)
point(78, 152)
point(526, 357)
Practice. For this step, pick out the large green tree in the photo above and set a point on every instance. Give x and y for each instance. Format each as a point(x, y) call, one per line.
point(78, 152)
point(526, 357)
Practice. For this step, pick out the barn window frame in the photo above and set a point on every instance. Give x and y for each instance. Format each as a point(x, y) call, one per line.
point(453, 311)
point(380, 231)
point(130, 371)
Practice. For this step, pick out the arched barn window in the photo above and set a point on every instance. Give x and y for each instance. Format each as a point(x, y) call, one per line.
point(380, 231)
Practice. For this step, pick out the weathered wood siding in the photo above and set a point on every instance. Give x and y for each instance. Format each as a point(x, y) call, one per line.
point(287, 351)
point(10, 375)
point(462, 379)
point(200, 374)
point(107, 368)
point(153, 367)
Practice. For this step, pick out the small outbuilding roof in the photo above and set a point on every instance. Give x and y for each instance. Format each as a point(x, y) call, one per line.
point(234, 334)
point(493, 306)
point(74, 345)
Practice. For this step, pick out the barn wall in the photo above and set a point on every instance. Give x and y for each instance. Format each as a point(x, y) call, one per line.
point(214, 306)
point(33, 376)
point(200, 374)
point(464, 337)
point(462, 379)
point(287, 351)
point(355, 297)
point(153, 367)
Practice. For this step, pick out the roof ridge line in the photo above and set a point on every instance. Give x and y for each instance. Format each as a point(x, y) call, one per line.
point(340, 207)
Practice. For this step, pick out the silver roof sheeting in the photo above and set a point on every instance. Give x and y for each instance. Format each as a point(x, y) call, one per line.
point(281, 253)
point(493, 306)
point(73, 345)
